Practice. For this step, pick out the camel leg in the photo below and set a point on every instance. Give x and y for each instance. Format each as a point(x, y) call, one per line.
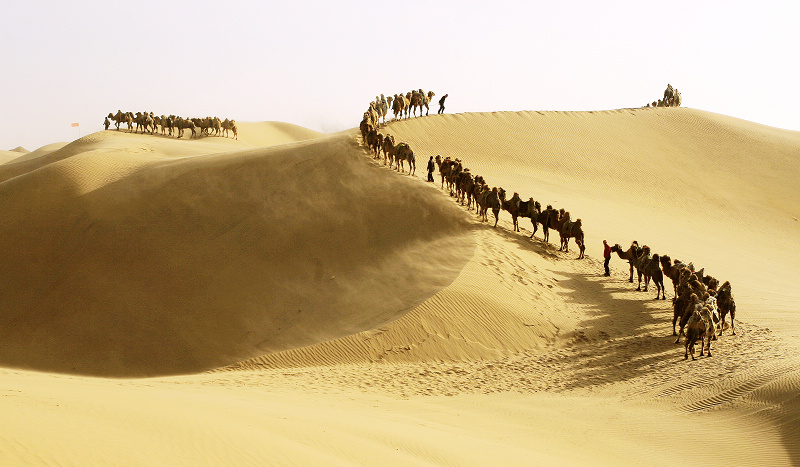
point(680, 333)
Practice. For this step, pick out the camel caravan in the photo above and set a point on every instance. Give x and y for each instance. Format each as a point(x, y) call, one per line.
point(700, 304)
point(172, 125)
point(466, 188)
point(672, 98)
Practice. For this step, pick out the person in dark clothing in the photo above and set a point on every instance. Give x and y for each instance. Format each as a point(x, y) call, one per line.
point(431, 168)
point(441, 104)
point(607, 256)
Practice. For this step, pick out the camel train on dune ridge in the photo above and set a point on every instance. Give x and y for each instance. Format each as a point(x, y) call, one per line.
point(172, 125)
point(469, 189)
point(700, 305)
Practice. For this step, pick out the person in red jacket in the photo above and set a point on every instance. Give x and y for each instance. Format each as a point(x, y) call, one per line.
point(607, 256)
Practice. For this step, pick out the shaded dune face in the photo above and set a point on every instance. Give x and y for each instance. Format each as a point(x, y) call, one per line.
point(117, 264)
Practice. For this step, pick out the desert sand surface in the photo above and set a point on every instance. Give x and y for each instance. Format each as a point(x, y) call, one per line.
point(286, 299)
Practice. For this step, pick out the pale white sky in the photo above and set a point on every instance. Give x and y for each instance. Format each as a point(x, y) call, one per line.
point(318, 64)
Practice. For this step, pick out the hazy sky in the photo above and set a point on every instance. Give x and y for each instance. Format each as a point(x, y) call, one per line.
point(318, 64)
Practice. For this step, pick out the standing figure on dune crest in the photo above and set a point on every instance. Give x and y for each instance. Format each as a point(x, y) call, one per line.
point(607, 256)
point(106, 123)
point(441, 104)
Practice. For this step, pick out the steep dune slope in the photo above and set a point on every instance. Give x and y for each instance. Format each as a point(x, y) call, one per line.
point(137, 255)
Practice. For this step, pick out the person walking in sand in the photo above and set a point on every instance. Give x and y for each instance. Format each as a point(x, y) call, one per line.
point(431, 168)
point(441, 104)
point(607, 256)
point(106, 123)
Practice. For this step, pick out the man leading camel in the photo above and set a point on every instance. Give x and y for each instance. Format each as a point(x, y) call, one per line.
point(441, 104)
point(607, 256)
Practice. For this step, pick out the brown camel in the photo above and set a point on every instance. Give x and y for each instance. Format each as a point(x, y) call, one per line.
point(477, 189)
point(388, 150)
point(681, 309)
point(489, 199)
point(512, 206)
point(653, 271)
point(465, 187)
point(672, 271)
point(569, 230)
point(697, 328)
point(372, 141)
point(628, 255)
point(726, 304)
point(642, 263)
point(402, 153)
point(532, 210)
point(553, 221)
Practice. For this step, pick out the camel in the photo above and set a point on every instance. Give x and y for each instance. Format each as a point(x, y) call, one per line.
point(416, 101)
point(680, 307)
point(532, 210)
point(556, 220)
point(382, 107)
point(388, 150)
point(477, 189)
point(699, 326)
point(553, 220)
point(398, 106)
point(372, 114)
point(116, 118)
point(628, 255)
point(426, 100)
point(122, 117)
point(653, 270)
point(229, 125)
point(491, 200)
point(572, 229)
point(181, 124)
point(543, 218)
point(726, 304)
point(449, 170)
point(672, 271)
point(403, 152)
point(512, 206)
point(465, 187)
point(372, 141)
point(642, 262)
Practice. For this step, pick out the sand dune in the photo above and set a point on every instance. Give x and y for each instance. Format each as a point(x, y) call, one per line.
point(148, 263)
point(358, 316)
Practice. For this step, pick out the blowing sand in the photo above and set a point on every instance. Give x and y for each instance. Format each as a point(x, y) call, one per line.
point(286, 299)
